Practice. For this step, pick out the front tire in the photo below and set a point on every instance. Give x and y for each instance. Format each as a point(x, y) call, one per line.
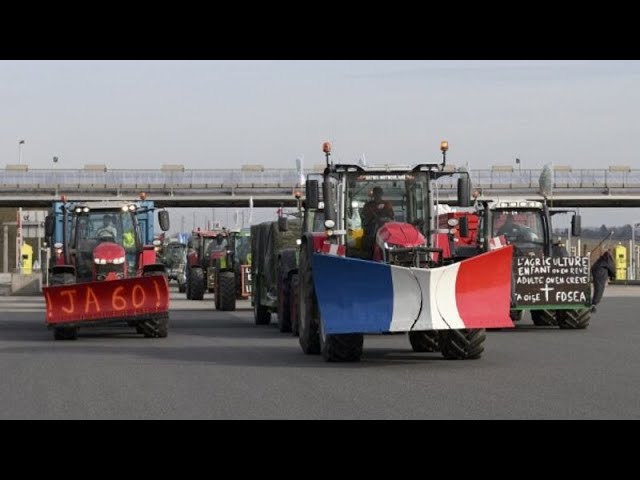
point(226, 290)
point(65, 333)
point(309, 335)
point(544, 318)
point(343, 347)
point(424, 341)
point(156, 327)
point(196, 284)
point(464, 344)
point(574, 319)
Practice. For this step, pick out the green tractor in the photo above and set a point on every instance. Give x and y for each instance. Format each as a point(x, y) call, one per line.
point(233, 270)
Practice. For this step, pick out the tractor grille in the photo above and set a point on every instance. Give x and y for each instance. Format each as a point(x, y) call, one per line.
point(103, 270)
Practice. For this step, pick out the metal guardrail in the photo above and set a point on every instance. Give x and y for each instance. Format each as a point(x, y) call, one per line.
point(567, 178)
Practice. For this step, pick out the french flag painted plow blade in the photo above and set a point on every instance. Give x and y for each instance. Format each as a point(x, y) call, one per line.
point(359, 296)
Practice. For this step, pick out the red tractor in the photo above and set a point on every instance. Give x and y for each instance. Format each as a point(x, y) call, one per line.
point(204, 248)
point(103, 271)
point(382, 267)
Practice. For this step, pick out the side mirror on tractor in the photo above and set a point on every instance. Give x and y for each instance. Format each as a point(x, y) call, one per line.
point(163, 220)
point(576, 227)
point(312, 194)
point(463, 226)
point(464, 191)
point(49, 223)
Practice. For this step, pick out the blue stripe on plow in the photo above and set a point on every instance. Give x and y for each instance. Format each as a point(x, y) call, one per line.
point(354, 296)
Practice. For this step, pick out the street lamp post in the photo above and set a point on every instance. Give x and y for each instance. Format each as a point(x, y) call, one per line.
point(20, 144)
point(19, 224)
point(55, 163)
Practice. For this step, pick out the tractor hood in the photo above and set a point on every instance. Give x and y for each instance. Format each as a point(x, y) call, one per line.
point(108, 252)
point(400, 234)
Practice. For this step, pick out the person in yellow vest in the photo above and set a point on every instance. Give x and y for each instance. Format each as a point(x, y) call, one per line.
point(129, 244)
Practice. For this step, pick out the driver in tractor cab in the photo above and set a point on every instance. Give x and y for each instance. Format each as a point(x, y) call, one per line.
point(374, 213)
point(107, 229)
point(509, 228)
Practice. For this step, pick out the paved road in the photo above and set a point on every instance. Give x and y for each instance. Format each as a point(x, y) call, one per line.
point(217, 365)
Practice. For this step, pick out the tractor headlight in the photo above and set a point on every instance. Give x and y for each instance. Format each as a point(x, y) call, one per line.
point(329, 224)
point(118, 261)
point(452, 222)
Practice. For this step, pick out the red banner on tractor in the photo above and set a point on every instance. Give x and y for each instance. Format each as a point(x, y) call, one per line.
point(107, 300)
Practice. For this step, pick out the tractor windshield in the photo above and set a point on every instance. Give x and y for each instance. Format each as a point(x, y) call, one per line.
point(176, 254)
point(243, 249)
point(397, 197)
point(523, 228)
point(97, 226)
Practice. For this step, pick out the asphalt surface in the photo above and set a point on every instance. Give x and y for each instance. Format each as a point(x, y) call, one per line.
point(219, 365)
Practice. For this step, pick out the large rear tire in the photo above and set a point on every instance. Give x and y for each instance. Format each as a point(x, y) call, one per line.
point(574, 319)
point(196, 284)
point(226, 290)
point(464, 344)
point(308, 328)
point(261, 314)
point(544, 318)
point(424, 341)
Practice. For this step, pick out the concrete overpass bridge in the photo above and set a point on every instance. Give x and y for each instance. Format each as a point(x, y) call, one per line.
point(175, 186)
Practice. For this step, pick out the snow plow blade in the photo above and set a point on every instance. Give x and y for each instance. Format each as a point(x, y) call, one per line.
point(94, 302)
point(359, 296)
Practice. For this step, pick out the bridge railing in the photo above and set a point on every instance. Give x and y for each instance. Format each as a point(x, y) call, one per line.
point(613, 177)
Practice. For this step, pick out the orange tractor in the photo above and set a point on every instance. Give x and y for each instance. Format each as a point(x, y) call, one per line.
point(103, 268)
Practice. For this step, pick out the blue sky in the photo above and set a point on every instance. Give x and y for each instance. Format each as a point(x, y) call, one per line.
point(221, 114)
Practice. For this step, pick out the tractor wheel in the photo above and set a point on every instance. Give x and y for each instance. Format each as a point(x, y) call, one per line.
point(309, 335)
point(65, 333)
point(216, 295)
point(544, 318)
point(464, 344)
point(226, 292)
point(196, 284)
point(343, 347)
point(156, 327)
point(294, 307)
point(261, 314)
point(516, 315)
point(284, 303)
point(187, 281)
point(424, 341)
point(574, 319)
